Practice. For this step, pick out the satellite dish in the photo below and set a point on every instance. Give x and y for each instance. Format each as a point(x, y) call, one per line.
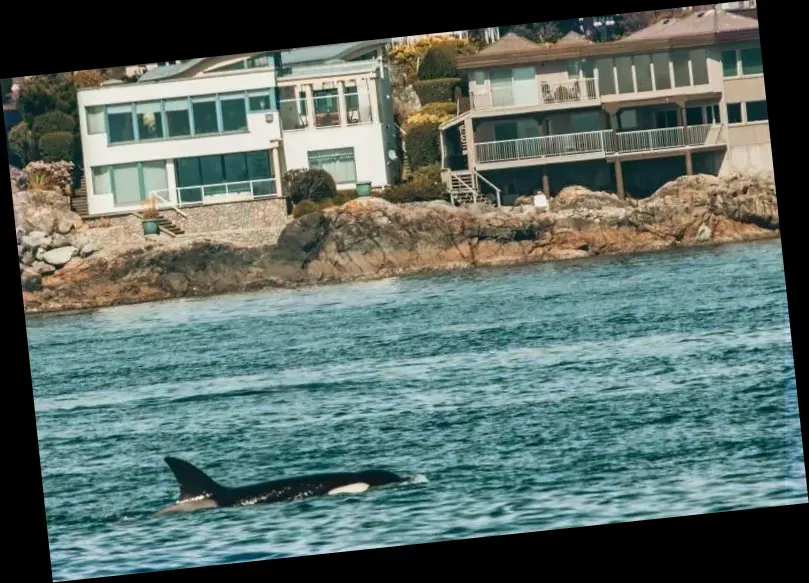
point(392, 155)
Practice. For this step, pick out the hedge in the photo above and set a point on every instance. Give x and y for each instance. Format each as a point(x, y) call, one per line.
point(439, 63)
point(433, 90)
point(53, 121)
point(56, 147)
point(422, 145)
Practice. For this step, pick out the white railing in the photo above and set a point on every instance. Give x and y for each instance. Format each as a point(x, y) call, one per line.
point(573, 90)
point(487, 181)
point(667, 138)
point(218, 193)
point(546, 146)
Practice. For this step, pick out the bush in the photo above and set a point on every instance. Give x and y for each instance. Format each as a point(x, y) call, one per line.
point(439, 63)
point(22, 144)
point(305, 207)
point(43, 176)
point(51, 122)
point(432, 113)
point(56, 147)
point(44, 93)
point(89, 78)
point(408, 56)
point(433, 90)
point(343, 196)
point(414, 191)
point(422, 145)
point(427, 175)
point(313, 184)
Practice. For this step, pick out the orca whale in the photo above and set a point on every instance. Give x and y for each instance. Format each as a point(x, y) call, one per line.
point(199, 491)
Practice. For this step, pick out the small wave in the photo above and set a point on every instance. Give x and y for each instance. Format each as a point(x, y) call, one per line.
point(417, 479)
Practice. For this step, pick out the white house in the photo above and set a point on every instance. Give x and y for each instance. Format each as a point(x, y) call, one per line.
point(225, 129)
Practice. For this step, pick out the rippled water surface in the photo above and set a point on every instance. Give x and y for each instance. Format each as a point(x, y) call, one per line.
point(530, 398)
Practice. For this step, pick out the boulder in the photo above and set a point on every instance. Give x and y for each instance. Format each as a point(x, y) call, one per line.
point(31, 280)
point(88, 249)
point(36, 240)
point(43, 268)
point(59, 240)
point(28, 257)
point(60, 257)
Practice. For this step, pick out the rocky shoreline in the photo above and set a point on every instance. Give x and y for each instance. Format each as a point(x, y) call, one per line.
point(370, 238)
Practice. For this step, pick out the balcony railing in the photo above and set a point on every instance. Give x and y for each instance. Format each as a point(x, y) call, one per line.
point(667, 138)
point(574, 90)
point(546, 147)
point(217, 193)
point(603, 141)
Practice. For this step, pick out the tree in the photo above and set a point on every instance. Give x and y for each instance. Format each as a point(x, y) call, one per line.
point(53, 121)
point(22, 144)
point(440, 62)
point(56, 147)
point(89, 78)
point(46, 93)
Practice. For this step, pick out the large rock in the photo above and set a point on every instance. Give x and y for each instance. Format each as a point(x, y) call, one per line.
point(60, 257)
point(50, 213)
point(60, 240)
point(88, 249)
point(31, 280)
point(43, 268)
point(36, 240)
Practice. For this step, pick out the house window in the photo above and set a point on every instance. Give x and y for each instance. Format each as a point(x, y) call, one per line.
point(150, 120)
point(606, 76)
point(126, 181)
point(119, 122)
point(751, 61)
point(205, 116)
point(734, 113)
point(699, 66)
point(628, 120)
point(326, 108)
point(260, 101)
point(178, 121)
point(712, 114)
point(643, 72)
point(661, 66)
point(679, 61)
point(730, 64)
point(667, 119)
point(95, 120)
point(155, 178)
point(339, 163)
point(234, 112)
point(623, 66)
point(102, 183)
point(241, 172)
point(756, 111)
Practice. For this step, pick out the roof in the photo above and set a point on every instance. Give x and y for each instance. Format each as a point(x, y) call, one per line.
point(298, 56)
point(703, 22)
point(699, 29)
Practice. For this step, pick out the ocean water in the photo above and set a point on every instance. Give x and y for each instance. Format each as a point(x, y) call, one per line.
point(517, 399)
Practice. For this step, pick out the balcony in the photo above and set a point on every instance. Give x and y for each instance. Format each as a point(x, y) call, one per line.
point(603, 143)
point(564, 145)
point(567, 92)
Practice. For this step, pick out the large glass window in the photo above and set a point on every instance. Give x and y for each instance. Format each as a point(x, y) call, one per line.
point(188, 180)
point(734, 113)
point(751, 61)
point(229, 173)
point(643, 72)
point(205, 116)
point(177, 118)
point(119, 122)
point(679, 61)
point(693, 116)
point(326, 108)
point(102, 183)
point(127, 185)
point(236, 172)
point(730, 64)
point(260, 172)
point(260, 101)
point(95, 120)
point(150, 120)
point(339, 163)
point(623, 66)
point(699, 66)
point(212, 171)
point(234, 113)
point(606, 76)
point(712, 114)
point(660, 61)
point(155, 178)
point(756, 111)
point(628, 120)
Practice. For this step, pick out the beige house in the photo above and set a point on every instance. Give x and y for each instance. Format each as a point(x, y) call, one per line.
point(682, 96)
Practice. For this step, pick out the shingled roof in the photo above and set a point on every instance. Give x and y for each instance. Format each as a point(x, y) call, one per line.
point(704, 22)
point(508, 44)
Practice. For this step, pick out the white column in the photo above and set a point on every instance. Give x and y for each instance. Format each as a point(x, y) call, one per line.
point(374, 99)
point(310, 106)
point(443, 149)
point(276, 171)
point(341, 102)
point(171, 182)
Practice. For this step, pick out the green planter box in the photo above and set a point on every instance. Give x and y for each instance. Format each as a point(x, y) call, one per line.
point(363, 189)
point(151, 226)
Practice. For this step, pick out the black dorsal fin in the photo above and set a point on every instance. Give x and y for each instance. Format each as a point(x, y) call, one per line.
point(193, 482)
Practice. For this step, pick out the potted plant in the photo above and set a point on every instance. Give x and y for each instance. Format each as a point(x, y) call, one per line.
point(150, 218)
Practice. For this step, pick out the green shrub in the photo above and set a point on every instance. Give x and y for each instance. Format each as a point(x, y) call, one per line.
point(56, 147)
point(51, 122)
point(312, 184)
point(414, 191)
point(433, 90)
point(440, 62)
point(343, 196)
point(22, 144)
point(430, 174)
point(305, 207)
point(422, 145)
point(325, 203)
point(439, 108)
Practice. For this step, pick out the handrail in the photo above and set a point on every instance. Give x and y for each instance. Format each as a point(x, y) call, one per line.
point(489, 182)
point(168, 203)
point(462, 181)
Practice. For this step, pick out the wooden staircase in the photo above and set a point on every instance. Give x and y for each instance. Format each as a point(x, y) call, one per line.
point(169, 227)
point(463, 187)
point(78, 200)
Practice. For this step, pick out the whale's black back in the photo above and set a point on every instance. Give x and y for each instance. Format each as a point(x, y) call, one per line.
point(194, 484)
